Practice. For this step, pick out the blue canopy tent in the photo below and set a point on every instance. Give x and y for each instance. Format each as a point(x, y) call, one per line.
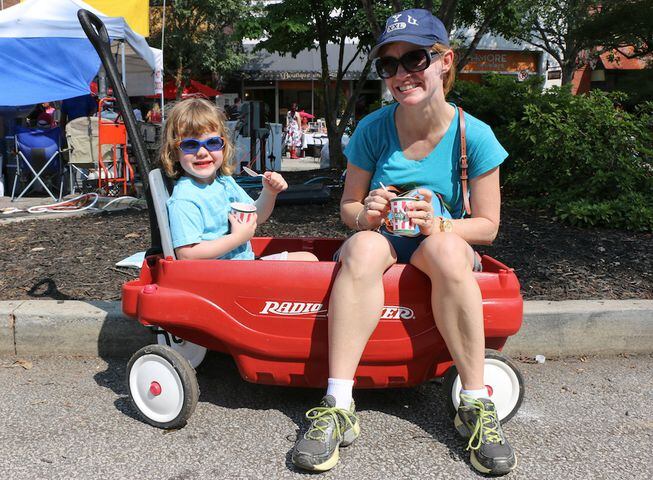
point(45, 55)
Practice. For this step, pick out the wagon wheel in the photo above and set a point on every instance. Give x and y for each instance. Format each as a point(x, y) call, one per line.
point(190, 351)
point(503, 379)
point(162, 386)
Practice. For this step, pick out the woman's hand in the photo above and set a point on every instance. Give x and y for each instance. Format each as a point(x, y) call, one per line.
point(274, 183)
point(242, 231)
point(422, 212)
point(376, 206)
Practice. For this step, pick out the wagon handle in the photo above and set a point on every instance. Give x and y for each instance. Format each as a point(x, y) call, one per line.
point(97, 34)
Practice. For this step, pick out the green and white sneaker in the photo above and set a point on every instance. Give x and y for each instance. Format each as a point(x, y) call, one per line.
point(330, 429)
point(477, 420)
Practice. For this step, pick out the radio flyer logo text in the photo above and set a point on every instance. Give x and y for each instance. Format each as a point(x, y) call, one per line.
point(390, 312)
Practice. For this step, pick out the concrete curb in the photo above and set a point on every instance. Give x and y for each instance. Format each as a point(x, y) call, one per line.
point(51, 327)
point(595, 327)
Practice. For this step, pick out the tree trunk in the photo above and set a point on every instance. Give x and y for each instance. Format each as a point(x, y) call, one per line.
point(568, 69)
point(336, 156)
point(447, 12)
point(179, 80)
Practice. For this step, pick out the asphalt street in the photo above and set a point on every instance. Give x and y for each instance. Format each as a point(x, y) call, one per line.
point(70, 418)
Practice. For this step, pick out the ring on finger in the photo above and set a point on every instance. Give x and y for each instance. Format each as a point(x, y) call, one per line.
point(427, 216)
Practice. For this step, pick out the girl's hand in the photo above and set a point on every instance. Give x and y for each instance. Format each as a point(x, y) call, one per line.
point(274, 182)
point(242, 231)
point(422, 212)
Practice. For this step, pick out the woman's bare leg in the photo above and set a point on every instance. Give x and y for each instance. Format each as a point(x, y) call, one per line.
point(356, 300)
point(456, 301)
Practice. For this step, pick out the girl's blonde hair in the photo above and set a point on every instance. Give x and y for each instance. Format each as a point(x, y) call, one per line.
point(193, 118)
point(450, 76)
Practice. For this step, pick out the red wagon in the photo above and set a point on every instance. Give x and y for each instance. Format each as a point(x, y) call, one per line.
point(271, 316)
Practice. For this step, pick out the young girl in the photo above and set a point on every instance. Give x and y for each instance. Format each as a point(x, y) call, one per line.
point(196, 150)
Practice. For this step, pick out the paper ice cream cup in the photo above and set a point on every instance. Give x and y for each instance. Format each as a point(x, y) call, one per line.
point(401, 223)
point(243, 211)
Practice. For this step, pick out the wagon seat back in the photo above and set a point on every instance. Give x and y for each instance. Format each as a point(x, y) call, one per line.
point(161, 188)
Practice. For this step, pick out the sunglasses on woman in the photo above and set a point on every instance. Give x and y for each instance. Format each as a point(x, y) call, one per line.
point(413, 61)
point(192, 145)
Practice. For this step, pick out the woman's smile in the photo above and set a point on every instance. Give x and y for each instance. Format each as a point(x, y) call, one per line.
point(405, 88)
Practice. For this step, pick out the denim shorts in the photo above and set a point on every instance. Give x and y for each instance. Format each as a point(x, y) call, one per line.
point(405, 247)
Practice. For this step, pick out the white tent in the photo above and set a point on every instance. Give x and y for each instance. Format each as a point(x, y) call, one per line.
point(45, 54)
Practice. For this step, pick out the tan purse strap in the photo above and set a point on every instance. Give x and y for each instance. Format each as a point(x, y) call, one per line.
point(463, 162)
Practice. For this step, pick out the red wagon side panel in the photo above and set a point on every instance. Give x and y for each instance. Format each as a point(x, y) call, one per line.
point(272, 316)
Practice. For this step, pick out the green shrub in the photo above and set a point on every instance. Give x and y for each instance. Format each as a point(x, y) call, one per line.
point(583, 156)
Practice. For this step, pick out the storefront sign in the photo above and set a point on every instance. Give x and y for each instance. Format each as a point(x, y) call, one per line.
point(502, 61)
point(554, 75)
point(294, 75)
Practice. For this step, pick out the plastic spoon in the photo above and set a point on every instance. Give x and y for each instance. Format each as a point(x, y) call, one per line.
point(252, 173)
point(383, 187)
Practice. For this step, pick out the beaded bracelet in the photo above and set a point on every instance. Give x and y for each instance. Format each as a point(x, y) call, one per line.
point(358, 219)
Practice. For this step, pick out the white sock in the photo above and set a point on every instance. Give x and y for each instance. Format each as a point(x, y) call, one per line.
point(340, 389)
point(480, 393)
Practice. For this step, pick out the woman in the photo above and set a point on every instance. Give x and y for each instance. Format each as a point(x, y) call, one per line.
point(154, 115)
point(293, 131)
point(413, 144)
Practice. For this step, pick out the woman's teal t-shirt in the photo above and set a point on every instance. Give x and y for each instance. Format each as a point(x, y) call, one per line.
point(375, 147)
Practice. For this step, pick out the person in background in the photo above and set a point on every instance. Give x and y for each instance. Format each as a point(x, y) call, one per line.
point(154, 115)
point(136, 108)
point(293, 130)
point(75, 107)
point(234, 111)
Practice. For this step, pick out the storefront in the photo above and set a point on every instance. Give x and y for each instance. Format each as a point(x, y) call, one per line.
point(281, 80)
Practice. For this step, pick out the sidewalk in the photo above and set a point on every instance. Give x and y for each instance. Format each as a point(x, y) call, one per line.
point(567, 328)
point(8, 215)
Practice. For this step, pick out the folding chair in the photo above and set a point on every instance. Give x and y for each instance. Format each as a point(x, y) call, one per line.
point(82, 140)
point(39, 158)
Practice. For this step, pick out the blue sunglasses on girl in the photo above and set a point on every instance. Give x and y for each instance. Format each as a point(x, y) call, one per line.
point(192, 145)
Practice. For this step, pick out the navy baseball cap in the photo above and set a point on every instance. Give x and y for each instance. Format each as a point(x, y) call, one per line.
point(417, 26)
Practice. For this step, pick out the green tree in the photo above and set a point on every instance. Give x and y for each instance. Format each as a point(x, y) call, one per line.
point(294, 25)
point(481, 16)
point(623, 25)
point(202, 37)
point(557, 27)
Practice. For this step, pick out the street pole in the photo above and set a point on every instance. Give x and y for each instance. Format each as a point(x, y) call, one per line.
point(163, 31)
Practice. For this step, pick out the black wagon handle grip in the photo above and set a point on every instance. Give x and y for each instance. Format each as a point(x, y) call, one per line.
point(94, 29)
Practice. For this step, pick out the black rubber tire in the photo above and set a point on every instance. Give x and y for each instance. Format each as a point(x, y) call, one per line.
point(188, 379)
point(452, 373)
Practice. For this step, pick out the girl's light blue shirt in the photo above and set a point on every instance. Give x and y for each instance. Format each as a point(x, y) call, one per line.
point(199, 212)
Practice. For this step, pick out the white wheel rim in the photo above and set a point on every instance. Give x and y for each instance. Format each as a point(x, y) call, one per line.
point(166, 406)
point(190, 351)
point(505, 386)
